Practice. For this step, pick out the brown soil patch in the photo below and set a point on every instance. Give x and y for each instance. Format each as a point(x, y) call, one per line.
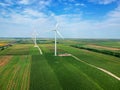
point(4, 60)
point(65, 54)
point(103, 47)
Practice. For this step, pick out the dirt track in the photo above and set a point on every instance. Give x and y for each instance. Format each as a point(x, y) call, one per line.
point(101, 69)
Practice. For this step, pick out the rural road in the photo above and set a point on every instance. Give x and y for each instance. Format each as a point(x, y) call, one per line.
point(101, 69)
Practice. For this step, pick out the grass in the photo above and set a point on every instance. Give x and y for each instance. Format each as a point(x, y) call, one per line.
point(15, 75)
point(18, 49)
point(74, 75)
point(115, 44)
point(34, 51)
point(42, 76)
point(107, 62)
point(28, 70)
point(115, 53)
point(101, 47)
point(102, 42)
point(97, 76)
point(70, 77)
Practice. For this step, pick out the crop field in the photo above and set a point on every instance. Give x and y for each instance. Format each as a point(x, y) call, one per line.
point(2, 44)
point(14, 72)
point(23, 68)
point(106, 43)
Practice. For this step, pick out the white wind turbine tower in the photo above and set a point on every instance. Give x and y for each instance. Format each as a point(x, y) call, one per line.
point(56, 32)
point(34, 38)
point(35, 41)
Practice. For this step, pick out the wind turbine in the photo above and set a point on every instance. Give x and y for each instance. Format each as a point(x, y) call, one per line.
point(35, 41)
point(34, 38)
point(56, 32)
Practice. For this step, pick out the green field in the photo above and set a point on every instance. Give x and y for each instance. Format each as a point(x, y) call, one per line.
point(15, 74)
point(23, 68)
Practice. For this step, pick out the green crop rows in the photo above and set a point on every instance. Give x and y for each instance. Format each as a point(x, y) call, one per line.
point(23, 68)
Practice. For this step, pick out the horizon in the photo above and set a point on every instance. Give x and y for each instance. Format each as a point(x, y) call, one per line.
point(97, 19)
point(60, 38)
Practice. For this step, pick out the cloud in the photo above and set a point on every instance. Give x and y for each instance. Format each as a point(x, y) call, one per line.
point(107, 28)
point(44, 3)
point(4, 4)
point(24, 22)
point(80, 4)
point(24, 2)
point(33, 13)
point(113, 17)
point(103, 1)
point(72, 25)
point(115, 13)
point(8, 1)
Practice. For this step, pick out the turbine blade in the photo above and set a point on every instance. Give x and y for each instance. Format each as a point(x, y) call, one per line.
point(57, 25)
point(59, 34)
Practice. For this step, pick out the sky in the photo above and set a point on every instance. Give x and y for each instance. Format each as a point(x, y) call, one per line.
point(76, 18)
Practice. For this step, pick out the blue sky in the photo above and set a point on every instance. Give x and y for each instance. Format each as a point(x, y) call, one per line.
point(76, 18)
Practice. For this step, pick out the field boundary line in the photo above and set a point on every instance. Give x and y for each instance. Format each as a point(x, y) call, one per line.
point(101, 69)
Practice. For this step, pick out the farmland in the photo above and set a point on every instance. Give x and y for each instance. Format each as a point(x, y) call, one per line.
point(23, 68)
point(14, 74)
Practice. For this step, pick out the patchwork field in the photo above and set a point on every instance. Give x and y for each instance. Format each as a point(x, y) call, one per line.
point(102, 47)
point(14, 72)
point(23, 68)
point(2, 44)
